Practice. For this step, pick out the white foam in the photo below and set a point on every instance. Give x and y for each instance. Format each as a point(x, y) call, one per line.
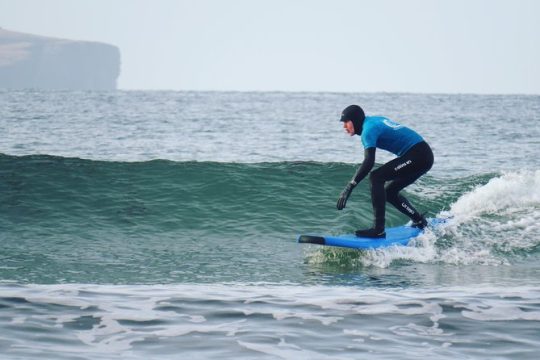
point(496, 218)
point(325, 320)
point(283, 350)
point(416, 313)
point(509, 192)
point(229, 329)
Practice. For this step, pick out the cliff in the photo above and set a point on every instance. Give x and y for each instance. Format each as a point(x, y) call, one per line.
point(31, 61)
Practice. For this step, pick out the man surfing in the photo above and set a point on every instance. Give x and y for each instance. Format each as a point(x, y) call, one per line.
point(414, 159)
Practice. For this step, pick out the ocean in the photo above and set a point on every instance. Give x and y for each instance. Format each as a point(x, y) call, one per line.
point(163, 225)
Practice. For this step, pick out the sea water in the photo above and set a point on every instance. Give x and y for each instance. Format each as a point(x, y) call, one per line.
point(162, 225)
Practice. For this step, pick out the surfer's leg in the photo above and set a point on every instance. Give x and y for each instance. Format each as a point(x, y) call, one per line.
point(391, 171)
point(377, 179)
point(378, 200)
point(409, 167)
point(407, 170)
point(402, 172)
point(399, 201)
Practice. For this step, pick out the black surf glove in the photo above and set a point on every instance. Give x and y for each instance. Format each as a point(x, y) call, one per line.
point(342, 201)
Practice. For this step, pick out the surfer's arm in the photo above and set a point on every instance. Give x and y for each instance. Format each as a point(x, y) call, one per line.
point(365, 168)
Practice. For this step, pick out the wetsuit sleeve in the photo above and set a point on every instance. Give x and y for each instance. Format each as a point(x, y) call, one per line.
point(367, 165)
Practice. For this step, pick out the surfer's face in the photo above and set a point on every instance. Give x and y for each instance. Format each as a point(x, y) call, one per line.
point(349, 127)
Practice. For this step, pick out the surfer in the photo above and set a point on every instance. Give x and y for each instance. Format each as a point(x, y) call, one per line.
point(414, 159)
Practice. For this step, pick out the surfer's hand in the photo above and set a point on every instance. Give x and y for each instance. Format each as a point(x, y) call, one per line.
point(342, 201)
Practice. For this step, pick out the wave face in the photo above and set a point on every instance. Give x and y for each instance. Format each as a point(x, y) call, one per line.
point(62, 218)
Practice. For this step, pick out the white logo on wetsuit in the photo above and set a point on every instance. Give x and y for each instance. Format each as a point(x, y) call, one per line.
point(408, 162)
point(394, 125)
point(409, 210)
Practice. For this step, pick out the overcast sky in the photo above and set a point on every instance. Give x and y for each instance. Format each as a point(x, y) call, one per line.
point(428, 46)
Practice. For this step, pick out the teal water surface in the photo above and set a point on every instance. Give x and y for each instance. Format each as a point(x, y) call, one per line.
point(163, 225)
point(83, 221)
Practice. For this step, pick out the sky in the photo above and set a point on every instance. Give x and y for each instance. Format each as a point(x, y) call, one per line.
point(418, 46)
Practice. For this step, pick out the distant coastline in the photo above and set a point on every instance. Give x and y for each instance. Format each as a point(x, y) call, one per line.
point(29, 61)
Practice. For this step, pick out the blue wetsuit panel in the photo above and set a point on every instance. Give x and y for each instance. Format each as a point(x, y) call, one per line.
point(388, 135)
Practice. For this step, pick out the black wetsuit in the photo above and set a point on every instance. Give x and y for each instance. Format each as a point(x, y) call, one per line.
point(400, 173)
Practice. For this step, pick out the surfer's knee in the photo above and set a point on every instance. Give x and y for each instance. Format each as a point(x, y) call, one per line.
point(373, 176)
point(391, 195)
point(376, 177)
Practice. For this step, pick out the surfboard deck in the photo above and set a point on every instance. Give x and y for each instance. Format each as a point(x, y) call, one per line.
point(399, 235)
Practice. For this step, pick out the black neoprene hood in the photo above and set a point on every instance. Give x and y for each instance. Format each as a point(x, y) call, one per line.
point(355, 114)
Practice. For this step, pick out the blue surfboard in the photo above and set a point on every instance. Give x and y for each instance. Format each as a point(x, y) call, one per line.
point(399, 235)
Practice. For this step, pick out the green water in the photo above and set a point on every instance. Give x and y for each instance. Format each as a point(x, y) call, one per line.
point(73, 220)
